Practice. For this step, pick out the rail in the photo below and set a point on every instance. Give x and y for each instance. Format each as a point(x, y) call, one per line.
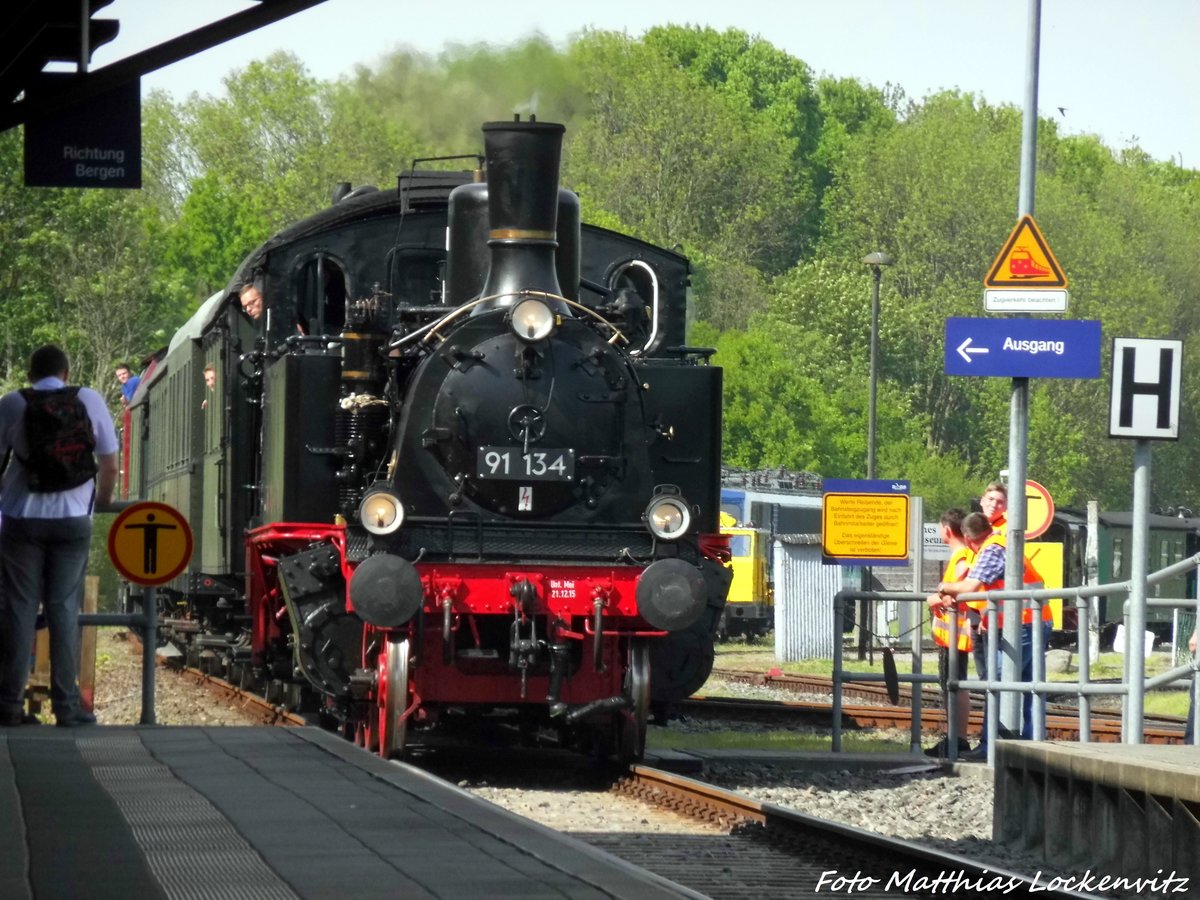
point(1134, 682)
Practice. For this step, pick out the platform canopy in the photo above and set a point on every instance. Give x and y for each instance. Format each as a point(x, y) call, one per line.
point(36, 33)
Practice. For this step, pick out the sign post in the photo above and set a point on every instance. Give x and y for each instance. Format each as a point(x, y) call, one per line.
point(1144, 405)
point(149, 544)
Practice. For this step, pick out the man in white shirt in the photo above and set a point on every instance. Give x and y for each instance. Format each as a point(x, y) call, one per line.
point(45, 534)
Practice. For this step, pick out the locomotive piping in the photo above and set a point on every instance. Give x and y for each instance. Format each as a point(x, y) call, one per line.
point(454, 314)
point(603, 705)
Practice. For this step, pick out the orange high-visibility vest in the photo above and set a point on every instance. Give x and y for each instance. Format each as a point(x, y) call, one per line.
point(1032, 578)
point(956, 570)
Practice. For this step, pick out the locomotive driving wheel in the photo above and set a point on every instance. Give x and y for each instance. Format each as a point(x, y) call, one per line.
point(631, 723)
point(393, 697)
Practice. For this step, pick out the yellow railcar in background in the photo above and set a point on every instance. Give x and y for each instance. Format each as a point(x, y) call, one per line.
point(750, 607)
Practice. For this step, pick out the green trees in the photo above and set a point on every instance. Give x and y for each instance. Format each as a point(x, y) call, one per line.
point(675, 162)
point(774, 182)
point(78, 270)
point(261, 157)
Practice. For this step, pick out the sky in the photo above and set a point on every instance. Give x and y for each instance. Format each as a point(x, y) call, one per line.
point(1126, 71)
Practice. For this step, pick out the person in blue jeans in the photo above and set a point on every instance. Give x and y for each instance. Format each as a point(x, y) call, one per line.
point(44, 540)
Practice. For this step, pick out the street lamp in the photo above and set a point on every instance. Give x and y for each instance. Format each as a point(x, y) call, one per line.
point(876, 261)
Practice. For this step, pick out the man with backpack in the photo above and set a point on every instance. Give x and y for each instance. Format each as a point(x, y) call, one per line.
point(61, 453)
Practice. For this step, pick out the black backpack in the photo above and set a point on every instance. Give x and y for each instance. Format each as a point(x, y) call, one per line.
point(59, 434)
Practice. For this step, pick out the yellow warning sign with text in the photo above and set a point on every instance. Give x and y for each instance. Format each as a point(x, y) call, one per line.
point(865, 526)
point(150, 543)
point(1026, 261)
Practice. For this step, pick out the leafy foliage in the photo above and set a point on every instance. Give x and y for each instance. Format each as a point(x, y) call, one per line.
point(773, 182)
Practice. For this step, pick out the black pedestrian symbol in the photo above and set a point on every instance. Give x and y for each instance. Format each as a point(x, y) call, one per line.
point(150, 532)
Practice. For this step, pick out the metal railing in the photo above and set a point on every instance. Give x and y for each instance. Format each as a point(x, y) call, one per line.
point(1131, 690)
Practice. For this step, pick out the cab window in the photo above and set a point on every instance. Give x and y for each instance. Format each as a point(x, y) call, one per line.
point(321, 292)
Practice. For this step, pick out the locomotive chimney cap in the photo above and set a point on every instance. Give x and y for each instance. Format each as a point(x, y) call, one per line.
point(532, 125)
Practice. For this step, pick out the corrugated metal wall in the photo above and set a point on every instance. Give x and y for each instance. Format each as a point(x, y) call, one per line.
point(804, 591)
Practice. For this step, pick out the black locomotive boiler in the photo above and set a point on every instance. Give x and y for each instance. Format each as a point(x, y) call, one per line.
point(463, 469)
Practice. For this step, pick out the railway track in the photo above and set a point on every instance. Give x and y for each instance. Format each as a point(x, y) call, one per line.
point(782, 853)
point(253, 706)
point(1062, 720)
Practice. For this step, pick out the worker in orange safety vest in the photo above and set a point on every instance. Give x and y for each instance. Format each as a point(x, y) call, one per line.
point(941, 608)
point(987, 574)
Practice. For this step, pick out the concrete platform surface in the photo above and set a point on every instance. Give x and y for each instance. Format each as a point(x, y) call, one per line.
point(1120, 809)
point(1170, 771)
point(265, 813)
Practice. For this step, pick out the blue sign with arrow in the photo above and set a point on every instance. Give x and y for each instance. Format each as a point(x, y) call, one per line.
point(1023, 348)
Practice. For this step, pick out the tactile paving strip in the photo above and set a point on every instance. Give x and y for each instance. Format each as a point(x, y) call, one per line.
point(192, 849)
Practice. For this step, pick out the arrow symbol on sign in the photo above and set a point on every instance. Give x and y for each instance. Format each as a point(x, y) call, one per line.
point(965, 348)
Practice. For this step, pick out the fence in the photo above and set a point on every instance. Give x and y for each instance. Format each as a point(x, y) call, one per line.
point(1131, 690)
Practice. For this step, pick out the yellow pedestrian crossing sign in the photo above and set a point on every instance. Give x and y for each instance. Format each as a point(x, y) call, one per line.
point(150, 543)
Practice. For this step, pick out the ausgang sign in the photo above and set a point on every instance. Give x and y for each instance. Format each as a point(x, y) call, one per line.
point(1023, 348)
point(865, 522)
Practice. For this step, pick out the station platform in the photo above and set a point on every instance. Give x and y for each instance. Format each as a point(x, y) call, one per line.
point(1119, 809)
point(265, 813)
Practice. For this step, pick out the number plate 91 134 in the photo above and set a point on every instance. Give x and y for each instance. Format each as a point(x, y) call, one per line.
point(536, 465)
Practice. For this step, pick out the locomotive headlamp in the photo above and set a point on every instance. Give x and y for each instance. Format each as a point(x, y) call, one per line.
point(532, 320)
point(668, 517)
point(381, 512)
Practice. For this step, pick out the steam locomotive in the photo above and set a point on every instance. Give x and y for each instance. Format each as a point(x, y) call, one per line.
point(463, 471)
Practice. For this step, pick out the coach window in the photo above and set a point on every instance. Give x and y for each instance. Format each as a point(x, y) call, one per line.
point(321, 293)
point(416, 276)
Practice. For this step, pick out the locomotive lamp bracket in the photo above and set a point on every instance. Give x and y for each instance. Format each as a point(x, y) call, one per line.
point(528, 363)
point(462, 360)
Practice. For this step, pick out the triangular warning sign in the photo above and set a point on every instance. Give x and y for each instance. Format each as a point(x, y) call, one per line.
point(1026, 261)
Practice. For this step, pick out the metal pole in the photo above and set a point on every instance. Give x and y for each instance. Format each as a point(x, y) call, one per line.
point(836, 734)
point(991, 725)
point(1010, 670)
point(1194, 712)
point(1029, 119)
point(1135, 630)
point(876, 275)
point(1088, 617)
point(149, 640)
point(1037, 708)
point(85, 15)
point(917, 537)
point(1083, 626)
point(1014, 573)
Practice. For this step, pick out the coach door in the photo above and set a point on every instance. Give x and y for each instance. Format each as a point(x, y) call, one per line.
point(211, 390)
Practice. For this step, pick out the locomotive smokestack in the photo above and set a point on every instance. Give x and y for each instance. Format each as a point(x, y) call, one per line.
point(522, 184)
